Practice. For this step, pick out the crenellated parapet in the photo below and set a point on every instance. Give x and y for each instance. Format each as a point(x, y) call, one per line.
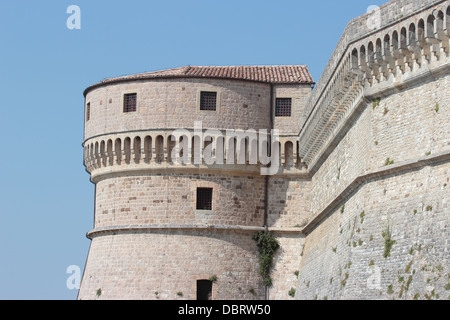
point(407, 44)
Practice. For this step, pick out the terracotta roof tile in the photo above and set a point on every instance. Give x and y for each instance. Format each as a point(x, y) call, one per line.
point(269, 74)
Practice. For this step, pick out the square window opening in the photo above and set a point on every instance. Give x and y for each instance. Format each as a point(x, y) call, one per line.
point(208, 101)
point(204, 198)
point(283, 107)
point(129, 102)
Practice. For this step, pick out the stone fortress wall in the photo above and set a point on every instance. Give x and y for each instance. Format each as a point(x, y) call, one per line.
point(380, 166)
point(359, 204)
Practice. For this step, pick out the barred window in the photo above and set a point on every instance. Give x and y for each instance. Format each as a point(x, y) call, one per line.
point(204, 198)
point(208, 101)
point(129, 102)
point(88, 111)
point(283, 107)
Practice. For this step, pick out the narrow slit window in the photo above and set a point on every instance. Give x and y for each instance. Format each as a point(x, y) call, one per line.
point(129, 102)
point(283, 107)
point(88, 111)
point(204, 198)
point(208, 101)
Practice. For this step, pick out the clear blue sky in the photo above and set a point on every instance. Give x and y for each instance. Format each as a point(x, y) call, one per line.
point(46, 199)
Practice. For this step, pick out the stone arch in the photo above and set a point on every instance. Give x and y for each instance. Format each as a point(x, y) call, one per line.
point(253, 151)
point(137, 149)
point(91, 154)
point(184, 149)
point(247, 149)
point(220, 150)
point(403, 38)
point(288, 154)
point(196, 150)
point(395, 40)
point(208, 149)
point(431, 26)
point(171, 144)
point(420, 32)
point(241, 148)
point(109, 150)
point(96, 157)
point(231, 150)
point(440, 21)
point(362, 55)
point(378, 49)
point(127, 149)
point(118, 150)
point(412, 35)
point(354, 59)
point(387, 45)
point(159, 148)
point(370, 52)
point(148, 149)
point(103, 153)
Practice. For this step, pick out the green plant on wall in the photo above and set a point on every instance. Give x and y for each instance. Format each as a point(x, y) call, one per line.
point(388, 242)
point(267, 246)
point(376, 103)
point(388, 162)
point(292, 292)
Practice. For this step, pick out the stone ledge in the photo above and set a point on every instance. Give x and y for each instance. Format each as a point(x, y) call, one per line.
point(236, 170)
point(394, 169)
point(148, 228)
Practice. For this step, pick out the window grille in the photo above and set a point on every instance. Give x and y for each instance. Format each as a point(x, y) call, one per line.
point(129, 102)
point(283, 107)
point(208, 101)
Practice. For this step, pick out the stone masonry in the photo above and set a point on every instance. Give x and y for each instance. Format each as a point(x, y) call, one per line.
point(359, 202)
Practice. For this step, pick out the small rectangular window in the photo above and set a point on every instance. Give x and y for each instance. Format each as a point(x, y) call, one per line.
point(208, 101)
point(204, 198)
point(88, 111)
point(283, 107)
point(129, 102)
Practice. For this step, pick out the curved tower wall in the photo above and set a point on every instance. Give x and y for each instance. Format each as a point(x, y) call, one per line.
point(174, 104)
point(149, 240)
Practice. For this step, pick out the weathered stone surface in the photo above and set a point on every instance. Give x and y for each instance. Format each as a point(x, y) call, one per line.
point(359, 205)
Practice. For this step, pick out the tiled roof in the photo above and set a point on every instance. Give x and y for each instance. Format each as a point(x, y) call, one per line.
point(268, 74)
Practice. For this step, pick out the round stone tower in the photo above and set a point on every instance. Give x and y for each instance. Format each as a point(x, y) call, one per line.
point(175, 209)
